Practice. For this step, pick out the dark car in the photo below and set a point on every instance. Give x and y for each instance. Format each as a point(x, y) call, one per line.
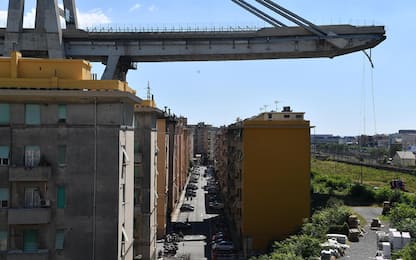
point(187, 207)
point(179, 226)
point(190, 193)
point(191, 187)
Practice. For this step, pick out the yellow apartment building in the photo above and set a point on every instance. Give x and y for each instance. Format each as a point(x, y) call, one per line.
point(266, 175)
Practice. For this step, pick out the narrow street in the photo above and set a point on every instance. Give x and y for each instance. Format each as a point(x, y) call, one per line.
point(196, 225)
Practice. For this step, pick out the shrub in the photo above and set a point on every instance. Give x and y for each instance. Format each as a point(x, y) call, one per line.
point(329, 184)
point(383, 194)
point(407, 224)
point(302, 246)
point(401, 212)
point(407, 253)
point(322, 220)
point(362, 193)
point(339, 229)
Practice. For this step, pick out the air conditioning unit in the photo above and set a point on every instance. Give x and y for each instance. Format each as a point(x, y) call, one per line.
point(45, 203)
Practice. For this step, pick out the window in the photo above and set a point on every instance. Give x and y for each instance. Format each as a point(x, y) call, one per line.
point(136, 171)
point(286, 116)
point(4, 197)
point(60, 197)
point(123, 192)
point(4, 155)
point(4, 114)
point(32, 197)
point(62, 113)
point(136, 147)
point(3, 240)
point(299, 116)
point(30, 240)
point(32, 114)
point(32, 156)
point(270, 115)
point(59, 239)
point(61, 155)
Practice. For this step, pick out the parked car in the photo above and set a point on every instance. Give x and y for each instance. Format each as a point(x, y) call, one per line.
point(223, 245)
point(212, 198)
point(179, 226)
point(192, 186)
point(218, 234)
point(187, 207)
point(190, 193)
point(218, 237)
point(216, 205)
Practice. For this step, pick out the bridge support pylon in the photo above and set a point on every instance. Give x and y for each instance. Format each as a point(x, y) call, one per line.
point(47, 36)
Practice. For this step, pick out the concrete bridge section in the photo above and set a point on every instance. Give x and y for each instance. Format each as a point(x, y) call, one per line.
point(121, 50)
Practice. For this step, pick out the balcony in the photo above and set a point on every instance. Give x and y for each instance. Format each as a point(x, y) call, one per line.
point(29, 216)
point(42, 173)
point(41, 254)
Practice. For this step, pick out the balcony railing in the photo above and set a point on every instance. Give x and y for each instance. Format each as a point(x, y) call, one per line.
point(42, 173)
point(29, 216)
point(40, 254)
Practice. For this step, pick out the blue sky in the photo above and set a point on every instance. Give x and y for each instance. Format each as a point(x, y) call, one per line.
point(336, 94)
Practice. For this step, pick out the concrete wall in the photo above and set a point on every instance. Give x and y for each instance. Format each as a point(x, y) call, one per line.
point(126, 198)
point(145, 208)
point(90, 175)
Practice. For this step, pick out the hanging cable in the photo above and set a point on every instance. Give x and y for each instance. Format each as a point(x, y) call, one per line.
point(363, 97)
point(373, 99)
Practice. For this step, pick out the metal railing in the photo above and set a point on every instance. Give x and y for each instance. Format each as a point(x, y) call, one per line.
point(156, 29)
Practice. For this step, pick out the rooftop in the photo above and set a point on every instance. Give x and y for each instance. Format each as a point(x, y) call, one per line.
point(17, 72)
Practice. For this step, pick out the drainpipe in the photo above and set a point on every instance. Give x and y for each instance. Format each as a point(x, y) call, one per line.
point(94, 199)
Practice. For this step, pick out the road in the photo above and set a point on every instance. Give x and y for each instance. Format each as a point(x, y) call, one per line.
point(196, 241)
point(366, 248)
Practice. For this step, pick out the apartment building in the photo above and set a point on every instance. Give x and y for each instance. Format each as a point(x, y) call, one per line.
point(162, 178)
point(264, 170)
point(146, 178)
point(182, 157)
point(204, 141)
point(66, 175)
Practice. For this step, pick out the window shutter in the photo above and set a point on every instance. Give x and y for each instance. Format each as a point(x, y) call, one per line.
point(4, 113)
point(61, 197)
point(32, 114)
point(62, 112)
point(4, 194)
point(4, 152)
point(59, 239)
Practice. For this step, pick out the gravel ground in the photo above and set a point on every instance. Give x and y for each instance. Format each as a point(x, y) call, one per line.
point(366, 248)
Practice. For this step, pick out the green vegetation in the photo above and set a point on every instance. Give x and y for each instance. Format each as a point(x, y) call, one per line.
point(305, 245)
point(403, 217)
point(407, 253)
point(335, 178)
point(343, 181)
point(352, 184)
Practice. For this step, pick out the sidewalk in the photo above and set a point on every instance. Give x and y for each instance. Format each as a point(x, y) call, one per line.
point(176, 211)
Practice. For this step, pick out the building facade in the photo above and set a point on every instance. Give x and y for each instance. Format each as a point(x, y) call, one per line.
point(264, 170)
point(204, 141)
point(146, 176)
point(162, 178)
point(66, 179)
